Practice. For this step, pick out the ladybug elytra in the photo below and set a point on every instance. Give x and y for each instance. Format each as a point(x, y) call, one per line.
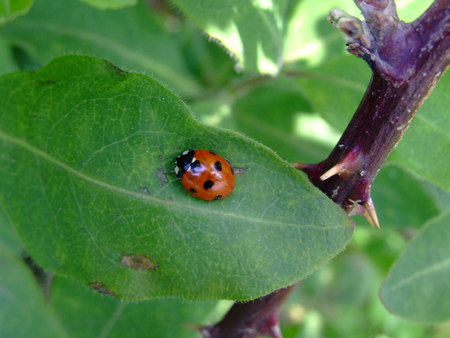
point(204, 174)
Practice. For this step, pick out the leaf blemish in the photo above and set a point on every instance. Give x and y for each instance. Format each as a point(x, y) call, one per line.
point(100, 287)
point(145, 190)
point(160, 173)
point(116, 69)
point(138, 262)
point(45, 83)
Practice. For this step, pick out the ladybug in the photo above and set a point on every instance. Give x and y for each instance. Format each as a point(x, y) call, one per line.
point(204, 174)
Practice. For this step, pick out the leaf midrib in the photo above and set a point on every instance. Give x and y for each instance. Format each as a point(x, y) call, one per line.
point(22, 144)
point(424, 272)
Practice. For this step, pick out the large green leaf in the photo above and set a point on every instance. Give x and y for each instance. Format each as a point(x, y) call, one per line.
point(111, 4)
point(417, 285)
point(84, 313)
point(85, 149)
point(252, 30)
point(10, 9)
point(132, 38)
point(336, 88)
point(23, 310)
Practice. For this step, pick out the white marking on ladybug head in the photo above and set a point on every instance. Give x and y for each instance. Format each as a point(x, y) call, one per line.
point(176, 170)
point(185, 152)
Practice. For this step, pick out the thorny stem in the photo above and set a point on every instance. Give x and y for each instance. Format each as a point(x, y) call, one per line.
point(407, 60)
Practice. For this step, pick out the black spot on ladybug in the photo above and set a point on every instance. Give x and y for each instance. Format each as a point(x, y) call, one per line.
point(195, 166)
point(193, 190)
point(218, 166)
point(211, 152)
point(208, 184)
point(218, 197)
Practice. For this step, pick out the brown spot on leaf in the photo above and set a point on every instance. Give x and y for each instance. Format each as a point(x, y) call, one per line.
point(45, 83)
point(162, 175)
point(145, 191)
point(100, 287)
point(115, 69)
point(138, 262)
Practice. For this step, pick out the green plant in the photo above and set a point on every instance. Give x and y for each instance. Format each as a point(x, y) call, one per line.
point(87, 146)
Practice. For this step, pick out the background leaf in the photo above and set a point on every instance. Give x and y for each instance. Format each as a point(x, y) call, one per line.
point(132, 38)
point(10, 9)
point(84, 176)
point(417, 285)
point(251, 30)
point(23, 310)
point(111, 4)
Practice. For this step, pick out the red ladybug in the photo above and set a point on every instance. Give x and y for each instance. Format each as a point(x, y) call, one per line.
point(205, 174)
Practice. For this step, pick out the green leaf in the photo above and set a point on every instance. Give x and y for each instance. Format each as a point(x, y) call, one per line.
point(7, 63)
point(132, 38)
point(110, 4)
point(310, 39)
point(251, 30)
point(23, 310)
point(10, 9)
point(401, 200)
point(417, 285)
point(336, 88)
point(276, 114)
point(88, 154)
point(88, 314)
point(8, 234)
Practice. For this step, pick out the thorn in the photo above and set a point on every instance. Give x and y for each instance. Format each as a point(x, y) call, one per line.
point(347, 165)
point(337, 169)
point(192, 326)
point(370, 214)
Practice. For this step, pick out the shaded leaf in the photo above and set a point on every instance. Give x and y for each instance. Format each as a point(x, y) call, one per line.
point(132, 38)
point(10, 9)
point(84, 151)
point(417, 285)
point(8, 234)
point(7, 63)
point(88, 314)
point(401, 200)
point(111, 4)
point(253, 31)
point(23, 310)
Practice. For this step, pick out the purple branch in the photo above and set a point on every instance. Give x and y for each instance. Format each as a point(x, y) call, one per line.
point(251, 319)
point(407, 60)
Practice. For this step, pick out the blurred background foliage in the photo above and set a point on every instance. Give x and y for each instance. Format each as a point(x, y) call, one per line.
point(285, 112)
